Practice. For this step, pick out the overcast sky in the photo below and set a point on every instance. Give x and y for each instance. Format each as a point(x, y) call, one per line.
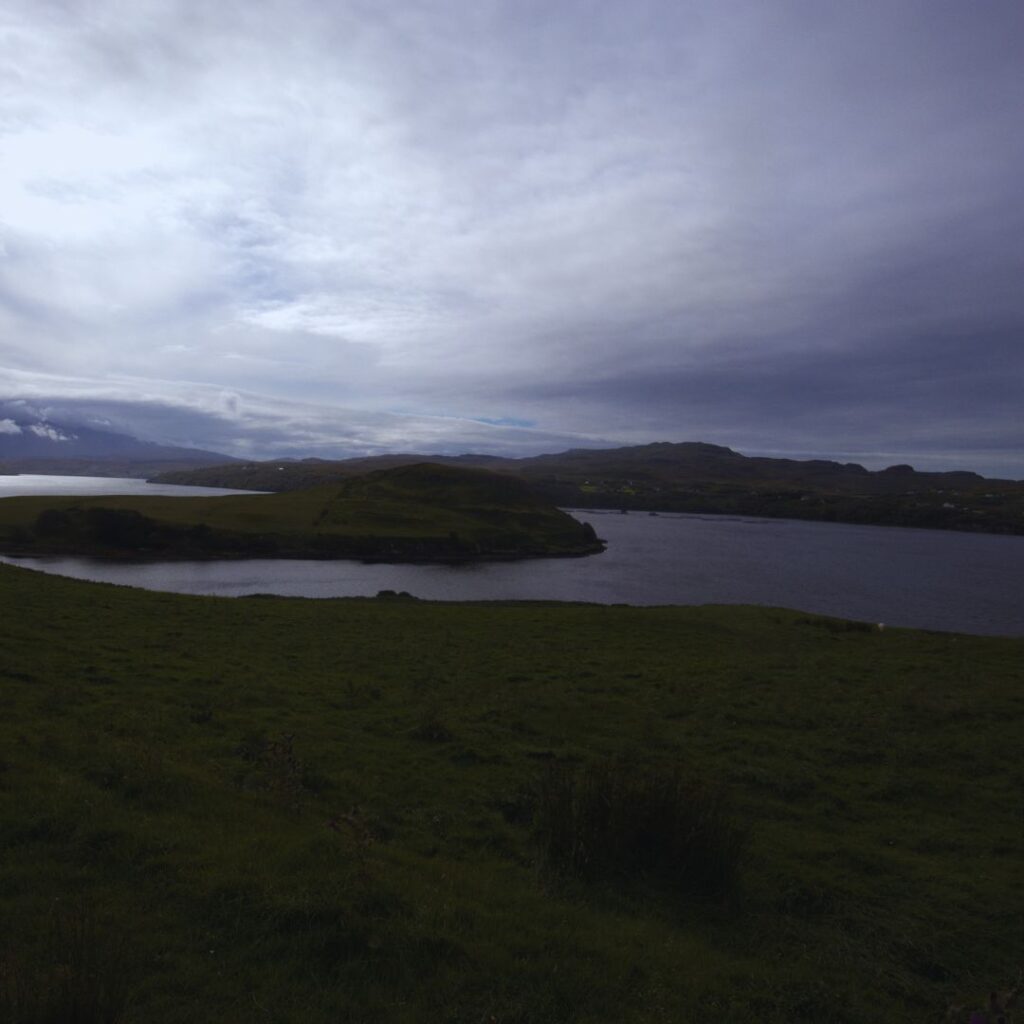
point(340, 226)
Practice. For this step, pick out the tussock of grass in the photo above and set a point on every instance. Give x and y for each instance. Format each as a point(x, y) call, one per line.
point(76, 974)
point(432, 728)
point(620, 821)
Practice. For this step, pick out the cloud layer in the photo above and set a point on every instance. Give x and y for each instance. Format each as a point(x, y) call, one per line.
point(785, 227)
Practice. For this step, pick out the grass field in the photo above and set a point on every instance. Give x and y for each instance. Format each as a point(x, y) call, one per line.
point(381, 810)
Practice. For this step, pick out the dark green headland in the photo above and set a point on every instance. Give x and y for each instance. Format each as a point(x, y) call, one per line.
point(414, 513)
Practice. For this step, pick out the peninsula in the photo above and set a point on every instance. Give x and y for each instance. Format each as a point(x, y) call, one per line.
point(412, 513)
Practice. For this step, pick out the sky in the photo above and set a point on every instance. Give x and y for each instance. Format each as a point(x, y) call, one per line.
point(342, 227)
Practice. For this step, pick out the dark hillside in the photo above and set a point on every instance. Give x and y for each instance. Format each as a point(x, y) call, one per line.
point(693, 477)
point(439, 483)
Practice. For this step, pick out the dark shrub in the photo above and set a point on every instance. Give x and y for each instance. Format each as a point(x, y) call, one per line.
point(52, 522)
point(618, 821)
point(118, 527)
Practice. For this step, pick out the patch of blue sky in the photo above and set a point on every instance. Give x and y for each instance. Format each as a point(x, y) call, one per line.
point(505, 421)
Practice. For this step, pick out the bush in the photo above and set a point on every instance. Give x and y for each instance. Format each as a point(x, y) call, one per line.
point(118, 527)
point(617, 821)
point(52, 522)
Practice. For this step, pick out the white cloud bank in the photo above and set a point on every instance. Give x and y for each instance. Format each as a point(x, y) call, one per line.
point(250, 425)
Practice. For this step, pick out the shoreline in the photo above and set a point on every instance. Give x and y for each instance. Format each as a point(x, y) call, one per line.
point(312, 554)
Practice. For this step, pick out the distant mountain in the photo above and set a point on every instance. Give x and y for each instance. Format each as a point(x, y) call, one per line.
point(695, 477)
point(647, 466)
point(696, 462)
point(34, 445)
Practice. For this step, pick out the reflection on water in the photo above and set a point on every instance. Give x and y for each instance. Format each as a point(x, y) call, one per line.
point(34, 483)
point(927, 579)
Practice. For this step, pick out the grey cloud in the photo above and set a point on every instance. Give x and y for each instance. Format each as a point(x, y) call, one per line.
point(793, 224)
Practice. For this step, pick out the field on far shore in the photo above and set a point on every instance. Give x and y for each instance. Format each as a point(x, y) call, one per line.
point(288, 810)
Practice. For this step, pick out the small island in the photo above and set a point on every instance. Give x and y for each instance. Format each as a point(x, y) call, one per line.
point(412, 513)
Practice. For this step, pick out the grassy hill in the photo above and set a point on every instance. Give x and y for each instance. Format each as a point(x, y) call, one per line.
point(410, 513)
point(378, 811)
point(693, 477)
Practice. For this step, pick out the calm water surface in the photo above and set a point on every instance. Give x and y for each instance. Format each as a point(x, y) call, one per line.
point(929, 579)
point(31, 483)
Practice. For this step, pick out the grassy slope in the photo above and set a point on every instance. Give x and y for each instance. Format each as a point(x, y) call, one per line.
point(293, 810)
point(423, 504)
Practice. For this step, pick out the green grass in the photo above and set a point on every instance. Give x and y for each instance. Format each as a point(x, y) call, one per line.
point(411, 513)
point(321, 811)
